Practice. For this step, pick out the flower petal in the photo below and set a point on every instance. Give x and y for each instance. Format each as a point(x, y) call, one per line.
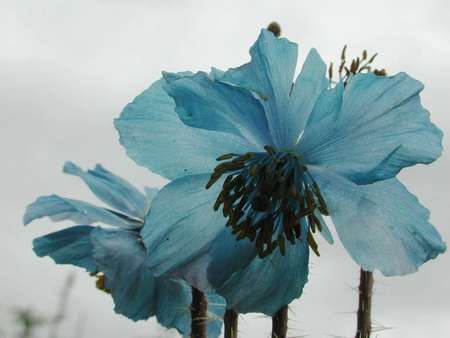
point(185, 237)
point(268, 284)
point(68, 246)
point(150, 193)
point(381, 128)
point(382, 225)
point(59, 209)
point(270, 75)
point(156, 138)
point(310, 83)
point(325, 232)
point(328, 104)
point(204, 103)
point(112, 189)
point(121, 256)
point(173, 307)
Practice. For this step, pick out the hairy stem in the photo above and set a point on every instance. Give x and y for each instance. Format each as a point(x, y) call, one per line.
point(364, 326)
point(199, 309)
point(279, 323)
point(231, 324)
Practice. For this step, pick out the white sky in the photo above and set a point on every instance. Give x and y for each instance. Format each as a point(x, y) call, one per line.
point(67, 68)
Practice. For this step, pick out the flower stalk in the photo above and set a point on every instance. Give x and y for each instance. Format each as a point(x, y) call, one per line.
point(279, 323)
point(231, 324)
point(199, 309)
point(364, 325)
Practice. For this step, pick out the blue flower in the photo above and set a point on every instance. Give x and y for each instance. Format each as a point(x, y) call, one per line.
point(289, 152)
point(117, 255)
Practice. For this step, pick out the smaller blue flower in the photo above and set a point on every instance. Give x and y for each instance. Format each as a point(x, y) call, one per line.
point(117, 255)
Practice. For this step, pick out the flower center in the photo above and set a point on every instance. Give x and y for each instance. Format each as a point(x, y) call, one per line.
point(269, 198)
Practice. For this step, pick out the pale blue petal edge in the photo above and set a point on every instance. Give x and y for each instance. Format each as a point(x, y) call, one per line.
point(58, 208)
point(202, 102)
point(382, 225)
point(184, 236)
point(155, 137)
point(69, 246)
point(270, 283)
point(379, 128)
point(112, 189)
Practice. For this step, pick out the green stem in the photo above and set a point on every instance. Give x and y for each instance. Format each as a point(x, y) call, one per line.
point(199, 309)
point(364, 325)
point(231, 324)
point(279, 323)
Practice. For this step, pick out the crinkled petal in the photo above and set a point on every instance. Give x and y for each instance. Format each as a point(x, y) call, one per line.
point(186, 238)
point(204, 103)
point(59, 209)
point(112, 189)
point(267, 284)
point(380, 128)
point(121, 256)
point(382, 225)
point(156, 138)
point(174, 298)
point(68, 246)
point(270, 75)
point(310, 83)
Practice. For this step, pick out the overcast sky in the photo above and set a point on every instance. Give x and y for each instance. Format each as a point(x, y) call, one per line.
point(67, 68)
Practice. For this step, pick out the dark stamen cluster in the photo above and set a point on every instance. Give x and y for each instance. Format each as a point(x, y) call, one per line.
point(269, 198)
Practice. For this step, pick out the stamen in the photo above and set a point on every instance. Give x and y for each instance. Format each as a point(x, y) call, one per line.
point(269, 197)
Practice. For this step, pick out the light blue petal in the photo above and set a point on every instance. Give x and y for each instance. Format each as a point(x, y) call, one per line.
point(112, 189)
point(59, 209)
point(216, 312)
point(310, 83)
point(121, 256)
point(182, 231)
point(228, 255)
point(326, 233)
point(268, 284)
point(150, 193)
point(173, 300)
point(173, 307)
point(327, 105)
point(270, 75)
point(382, 225)
point(68, 246)
point(381, 128)
point(204, 103)
point(155, 137)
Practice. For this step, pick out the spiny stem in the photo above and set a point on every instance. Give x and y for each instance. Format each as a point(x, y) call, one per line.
point(364, 326)
point(279, 323)
point(231, 324)
point(199, 309)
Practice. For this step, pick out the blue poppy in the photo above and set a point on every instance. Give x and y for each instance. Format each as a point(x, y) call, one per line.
point(116, 254)
point(289, 152)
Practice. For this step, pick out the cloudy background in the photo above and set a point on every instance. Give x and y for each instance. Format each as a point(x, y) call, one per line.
point(67, 68)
